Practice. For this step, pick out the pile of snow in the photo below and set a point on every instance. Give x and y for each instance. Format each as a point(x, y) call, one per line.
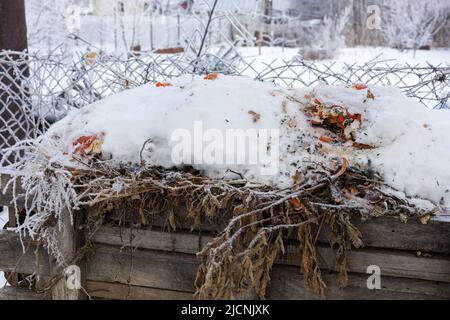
point(406, 143)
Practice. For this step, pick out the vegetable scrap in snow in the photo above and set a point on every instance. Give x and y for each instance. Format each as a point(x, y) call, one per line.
point(325, 139)
point(359, 86)
point(334, 117)
point(88, 145)
point(90, 58)
point(211, 76)
point(163, 84)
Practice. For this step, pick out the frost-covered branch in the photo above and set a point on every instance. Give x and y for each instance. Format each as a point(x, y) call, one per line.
point(412, 24)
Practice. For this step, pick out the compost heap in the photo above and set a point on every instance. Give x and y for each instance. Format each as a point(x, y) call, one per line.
point(344, 152)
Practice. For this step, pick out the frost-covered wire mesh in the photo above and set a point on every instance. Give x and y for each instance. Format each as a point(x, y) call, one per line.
point(37, 90)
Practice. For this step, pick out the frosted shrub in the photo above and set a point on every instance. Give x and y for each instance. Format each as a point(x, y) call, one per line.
point(329, 38)
point(412, 24)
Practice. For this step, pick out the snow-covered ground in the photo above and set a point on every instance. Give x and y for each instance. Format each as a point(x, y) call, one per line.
point(3, 221)
point(358, 55)
point(433, 56)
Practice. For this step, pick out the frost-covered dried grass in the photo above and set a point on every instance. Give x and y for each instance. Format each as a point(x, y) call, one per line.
point(42, 186)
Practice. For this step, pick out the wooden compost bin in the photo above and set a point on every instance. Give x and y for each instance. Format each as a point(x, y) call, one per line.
point(414, 260)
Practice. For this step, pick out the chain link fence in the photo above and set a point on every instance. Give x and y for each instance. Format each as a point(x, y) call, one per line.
point(37, 90)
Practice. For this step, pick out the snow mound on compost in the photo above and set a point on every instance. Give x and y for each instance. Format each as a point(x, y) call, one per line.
point(379, 129)
point(411, 145)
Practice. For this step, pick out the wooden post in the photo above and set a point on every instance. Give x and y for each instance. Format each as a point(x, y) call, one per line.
point(67, 246)
point(13, 27)
point(13, 37)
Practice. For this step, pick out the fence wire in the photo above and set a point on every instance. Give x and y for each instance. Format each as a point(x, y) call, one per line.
point(37, 90)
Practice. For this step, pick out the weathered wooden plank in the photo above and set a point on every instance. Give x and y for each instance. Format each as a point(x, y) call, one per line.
point(383, 232)
point(176, 272)
point(13, 257)
point(391, 233)
point(287, 284)
point(144, 268)
point(392, 262)
point(159, 221)
point(149, 239)
point(162, 266)
point(12, 293)
point(118, 291)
